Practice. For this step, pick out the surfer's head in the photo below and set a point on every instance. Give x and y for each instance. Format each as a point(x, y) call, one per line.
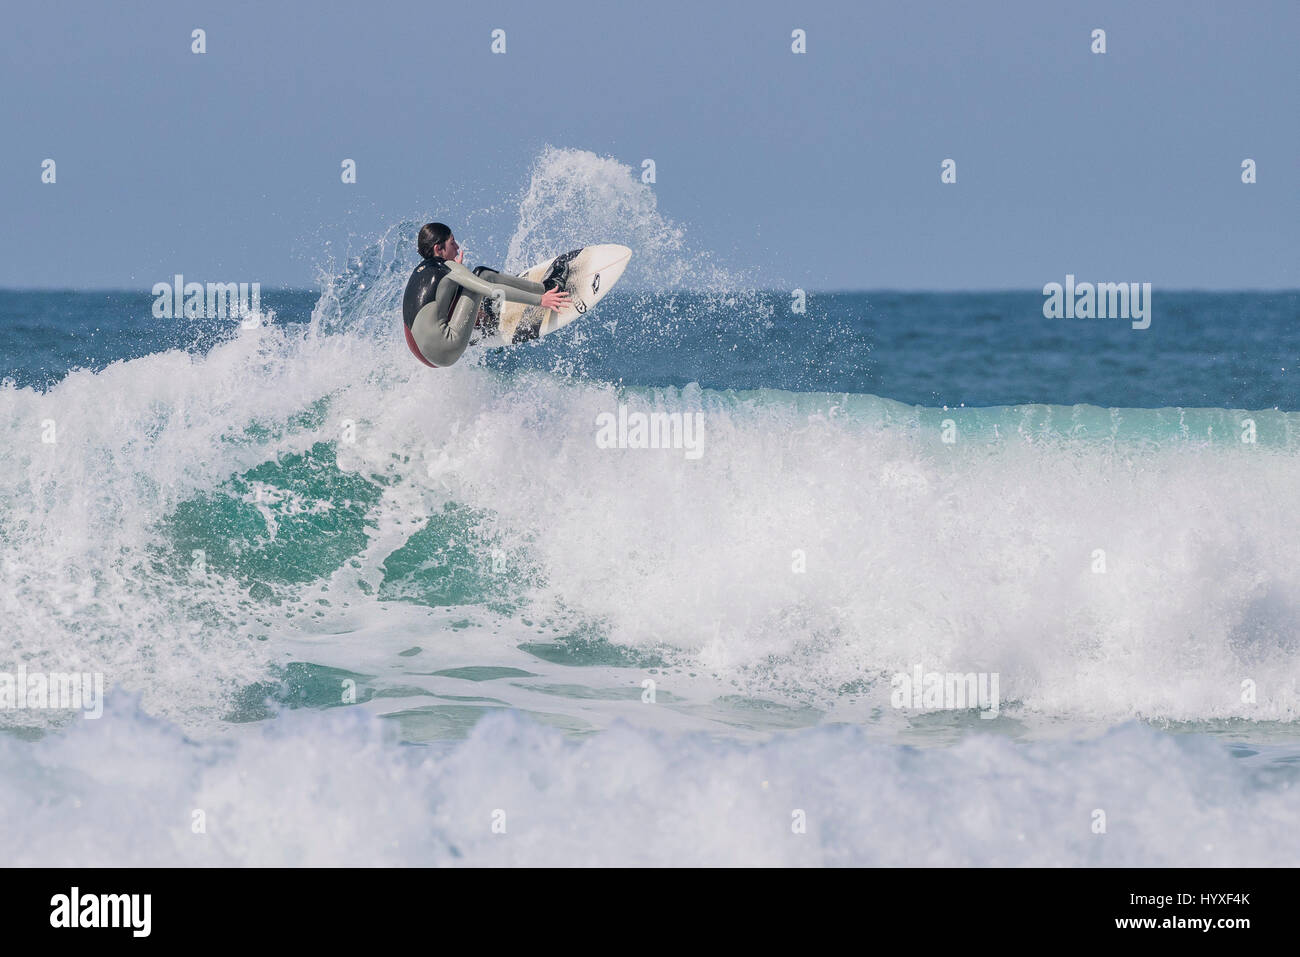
point(437, 242)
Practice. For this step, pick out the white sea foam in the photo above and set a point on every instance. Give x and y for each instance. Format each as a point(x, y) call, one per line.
point(575, 197)
point(311, 789)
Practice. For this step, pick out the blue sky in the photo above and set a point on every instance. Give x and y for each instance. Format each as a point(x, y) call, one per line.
point(1123, 166)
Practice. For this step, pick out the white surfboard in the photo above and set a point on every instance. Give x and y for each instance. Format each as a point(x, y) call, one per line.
point(586, 274)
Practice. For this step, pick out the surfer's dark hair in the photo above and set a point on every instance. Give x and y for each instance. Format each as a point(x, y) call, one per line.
point(432, 234)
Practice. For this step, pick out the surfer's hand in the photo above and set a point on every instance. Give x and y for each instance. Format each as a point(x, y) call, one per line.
point(555, 299)
point(460, 257)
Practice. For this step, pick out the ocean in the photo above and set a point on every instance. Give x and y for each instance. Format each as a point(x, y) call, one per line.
point(352, 610)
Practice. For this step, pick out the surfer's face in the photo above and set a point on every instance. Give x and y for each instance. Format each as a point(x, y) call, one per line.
point(449, 249)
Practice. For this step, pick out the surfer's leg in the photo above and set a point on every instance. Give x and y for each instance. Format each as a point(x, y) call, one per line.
point(442, 342)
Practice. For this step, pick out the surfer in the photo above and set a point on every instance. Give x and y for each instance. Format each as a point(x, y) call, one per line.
point(443, 297)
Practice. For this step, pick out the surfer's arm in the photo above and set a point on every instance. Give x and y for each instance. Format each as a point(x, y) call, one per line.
point(551, 298)
point(501, 279)
point(530, 293)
